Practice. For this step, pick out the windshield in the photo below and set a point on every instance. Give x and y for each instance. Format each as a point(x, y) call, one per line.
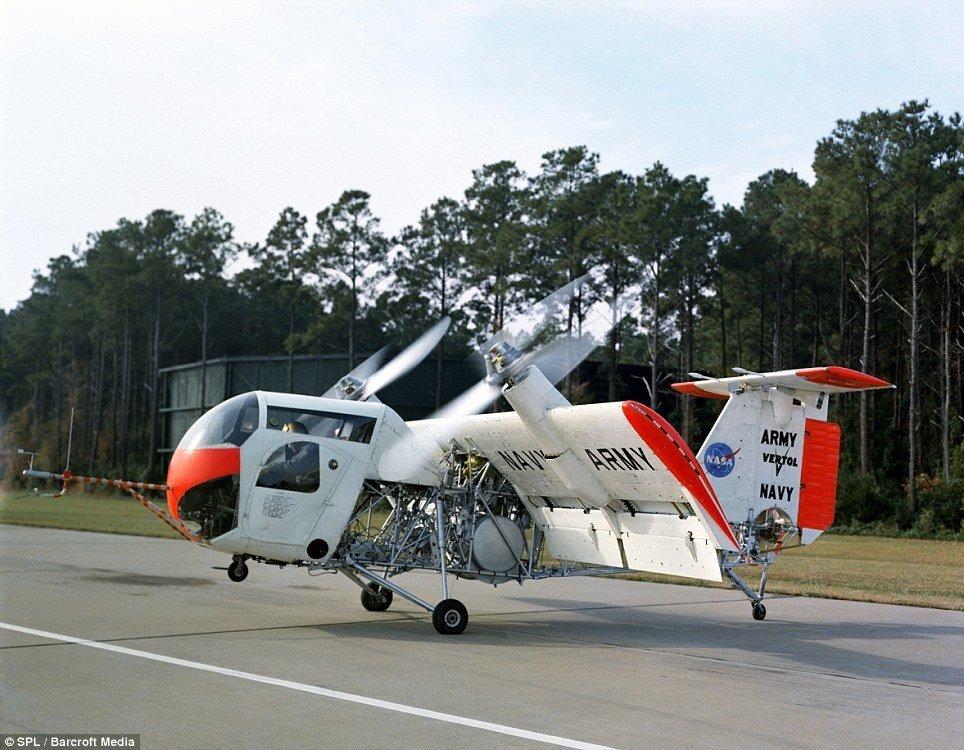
point(231, 423)
point(353, 427)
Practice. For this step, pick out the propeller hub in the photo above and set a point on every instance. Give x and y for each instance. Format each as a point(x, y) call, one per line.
point(348, 386)
point(503, 355)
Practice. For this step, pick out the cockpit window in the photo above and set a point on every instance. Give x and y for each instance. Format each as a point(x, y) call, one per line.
point(353, 427)
point(231, 422)
point(293, 466)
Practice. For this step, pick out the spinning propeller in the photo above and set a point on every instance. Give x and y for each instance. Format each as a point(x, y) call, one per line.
point(371, 376)
point(508, 353)
point(526, 341)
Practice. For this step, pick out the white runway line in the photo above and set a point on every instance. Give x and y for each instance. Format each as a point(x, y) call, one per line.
point(304, 688)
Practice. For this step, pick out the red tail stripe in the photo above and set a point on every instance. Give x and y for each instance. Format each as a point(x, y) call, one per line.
point(677, 457)
point(818, 475)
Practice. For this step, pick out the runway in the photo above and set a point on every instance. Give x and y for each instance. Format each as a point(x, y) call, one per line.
point(127, 634)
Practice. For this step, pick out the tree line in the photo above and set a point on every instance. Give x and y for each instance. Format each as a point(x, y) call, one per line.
point(860, 268)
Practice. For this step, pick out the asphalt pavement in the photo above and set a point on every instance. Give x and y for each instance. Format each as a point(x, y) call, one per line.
point(107, 633)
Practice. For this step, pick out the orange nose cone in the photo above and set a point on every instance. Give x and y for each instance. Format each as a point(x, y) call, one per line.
point(189, 468)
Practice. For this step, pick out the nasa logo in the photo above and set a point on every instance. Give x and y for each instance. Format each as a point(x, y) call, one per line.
point(719, 459)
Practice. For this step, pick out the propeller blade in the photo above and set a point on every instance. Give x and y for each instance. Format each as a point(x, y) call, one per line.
point(408, 358)
point(561, 356)
point(556, 358)
point(474, 400)
point(523, 329)
point(361, 373)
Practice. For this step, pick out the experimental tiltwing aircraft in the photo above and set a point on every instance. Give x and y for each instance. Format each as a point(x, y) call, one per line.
point(340, 483)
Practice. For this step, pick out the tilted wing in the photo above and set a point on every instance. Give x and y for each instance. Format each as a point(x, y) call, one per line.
point(662, 514)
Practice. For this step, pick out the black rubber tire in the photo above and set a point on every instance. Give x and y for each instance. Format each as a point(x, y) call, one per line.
point(450, 617)
point(376, 598)
point(759, 611)
point(238, 570)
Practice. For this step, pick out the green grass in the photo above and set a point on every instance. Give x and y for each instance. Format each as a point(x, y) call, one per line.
point(110, 513)
point(919, 572)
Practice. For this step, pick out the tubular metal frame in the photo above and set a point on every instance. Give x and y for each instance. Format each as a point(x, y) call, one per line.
point(397, 528)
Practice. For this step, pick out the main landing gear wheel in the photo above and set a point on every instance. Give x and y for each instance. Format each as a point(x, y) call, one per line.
point(376, 598)
point(238, 570)
point(759, 611)
point(450, 617)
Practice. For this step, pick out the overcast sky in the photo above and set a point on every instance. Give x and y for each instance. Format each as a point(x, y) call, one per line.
point(114, 109)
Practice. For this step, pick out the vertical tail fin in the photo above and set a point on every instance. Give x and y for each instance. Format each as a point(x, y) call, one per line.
point(772, 446)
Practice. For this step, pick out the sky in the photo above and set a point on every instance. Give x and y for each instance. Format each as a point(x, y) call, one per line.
point(113, 109)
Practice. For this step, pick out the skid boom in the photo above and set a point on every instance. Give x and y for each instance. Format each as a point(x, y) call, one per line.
point(134, 489)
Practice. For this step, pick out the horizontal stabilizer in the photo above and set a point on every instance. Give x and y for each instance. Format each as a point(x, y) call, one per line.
point(831, 379)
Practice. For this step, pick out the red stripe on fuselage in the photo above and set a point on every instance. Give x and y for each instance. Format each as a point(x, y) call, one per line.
point(676, 456)
point(189, 468)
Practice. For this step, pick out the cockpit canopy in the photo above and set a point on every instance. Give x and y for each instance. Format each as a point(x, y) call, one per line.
point(204, 474)
point(229, 423)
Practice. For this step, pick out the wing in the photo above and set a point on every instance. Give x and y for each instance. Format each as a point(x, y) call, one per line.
point(661, 515)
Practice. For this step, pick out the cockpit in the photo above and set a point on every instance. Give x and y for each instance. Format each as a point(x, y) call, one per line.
point(356, 428)
point(205, 471)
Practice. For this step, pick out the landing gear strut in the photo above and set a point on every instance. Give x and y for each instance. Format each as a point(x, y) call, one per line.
point(773, 530)
point(756, 597)
point(238, 569)
point(449, 616)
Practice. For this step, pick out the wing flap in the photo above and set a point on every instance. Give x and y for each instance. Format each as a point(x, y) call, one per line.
point(651, 542)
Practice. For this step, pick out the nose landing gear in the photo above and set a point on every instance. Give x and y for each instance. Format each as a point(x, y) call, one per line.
point(238, 569)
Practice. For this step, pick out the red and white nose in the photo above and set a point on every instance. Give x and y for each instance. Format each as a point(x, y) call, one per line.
point(205, 468)
point(192, 467)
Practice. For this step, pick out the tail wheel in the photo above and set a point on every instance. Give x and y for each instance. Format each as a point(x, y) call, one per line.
point(376, 598)
point(759, 611)
point(450, 617)
point(238, 570)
